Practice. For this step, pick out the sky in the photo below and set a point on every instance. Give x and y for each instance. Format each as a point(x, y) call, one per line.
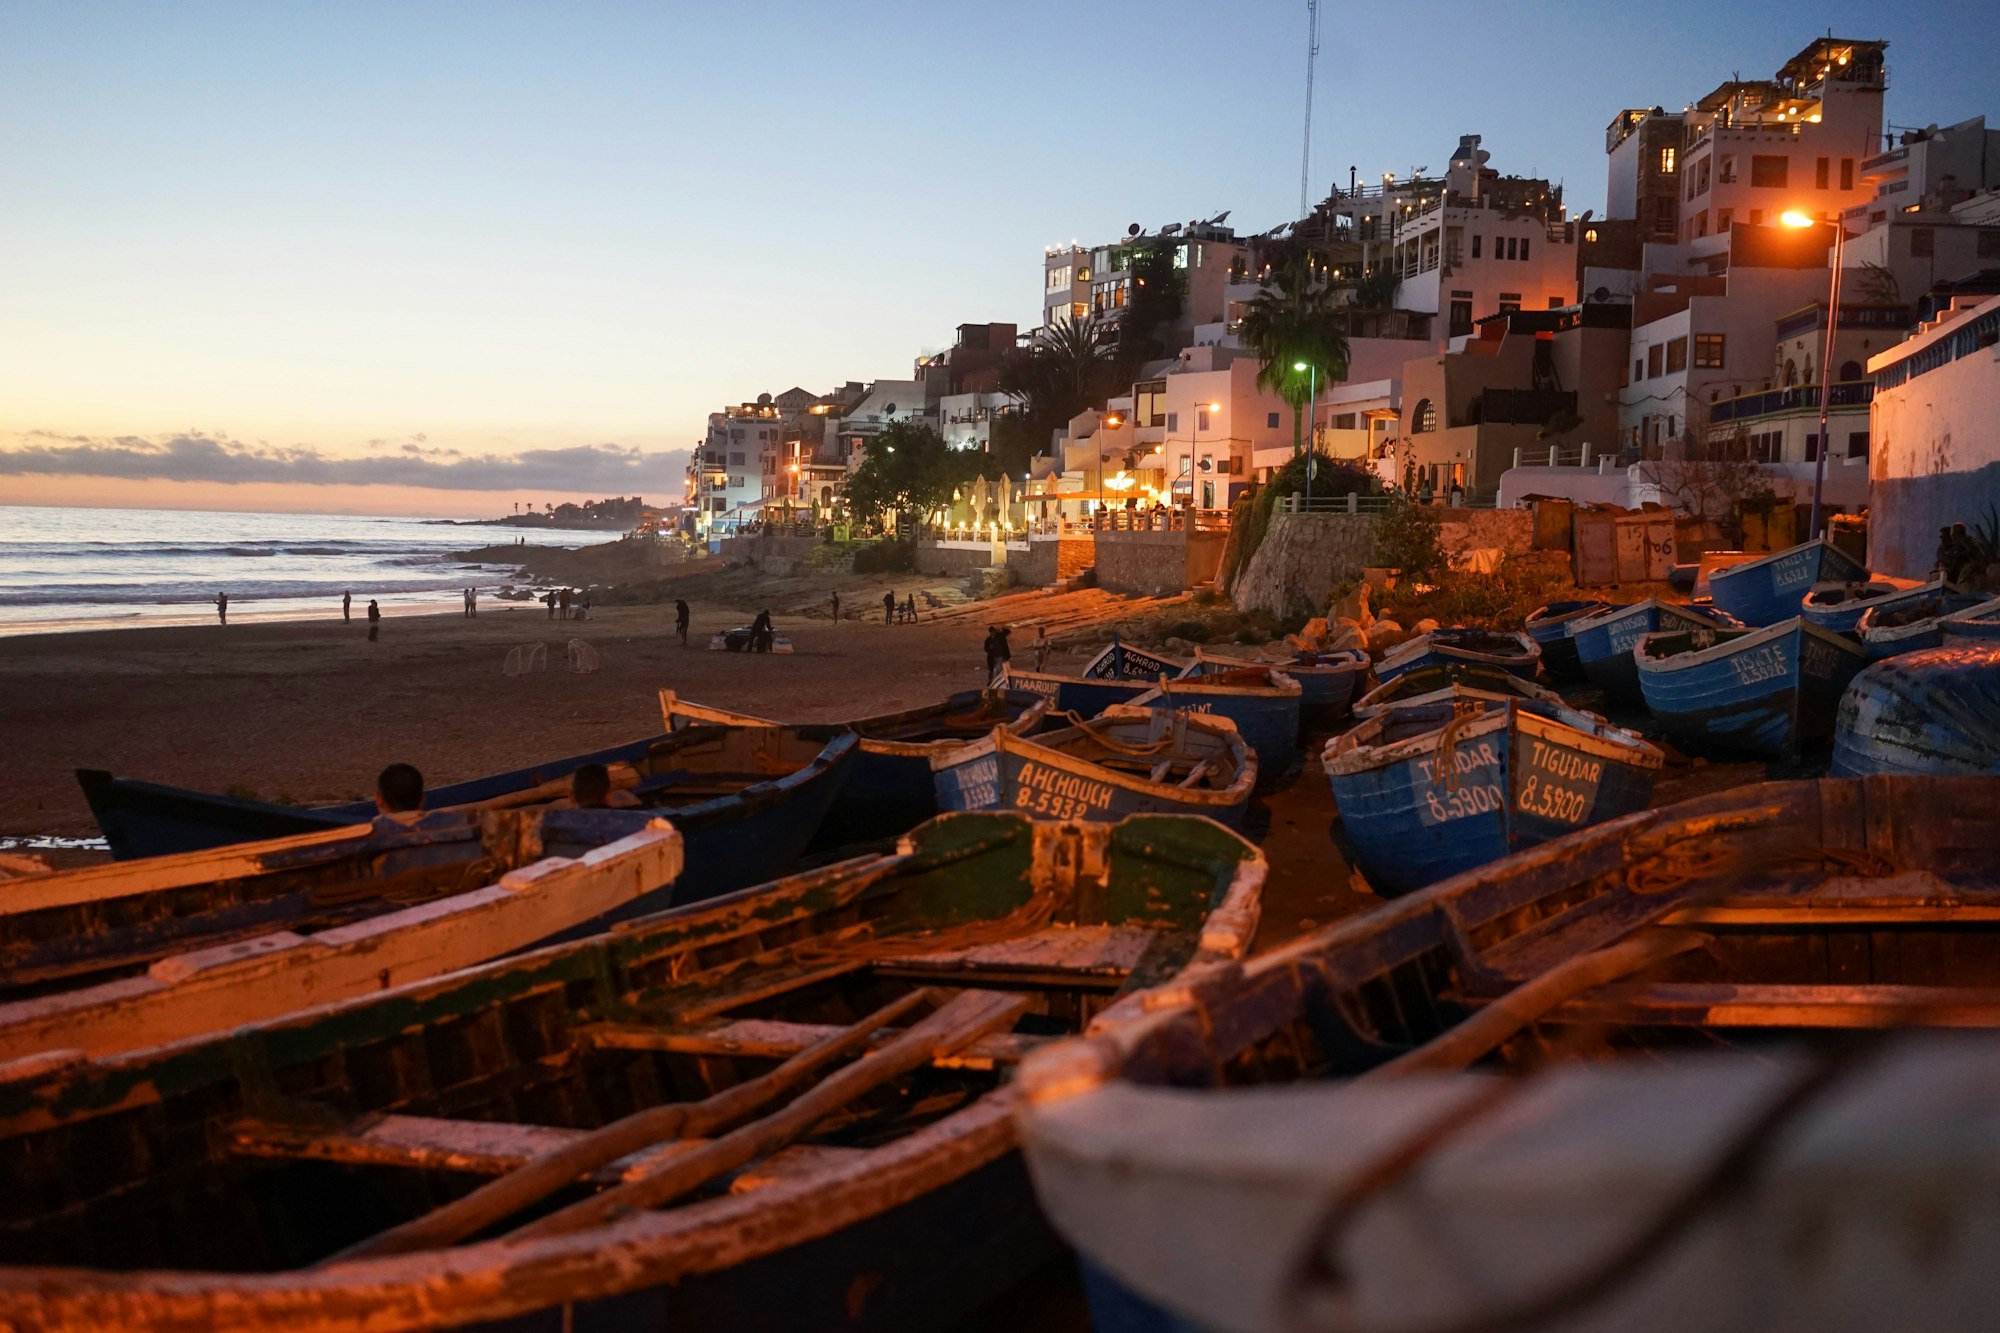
point(429, 258)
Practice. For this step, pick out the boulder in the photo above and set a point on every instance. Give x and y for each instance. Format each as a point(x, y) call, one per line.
point(1354, 607)
point(1178, 645)
point(1385, 634)
point(1424, 626)
point(1345, 639)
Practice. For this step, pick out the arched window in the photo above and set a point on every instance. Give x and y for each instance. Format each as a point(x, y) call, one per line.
point(1791, 372)
point(1425, 418)
point(1850, 371)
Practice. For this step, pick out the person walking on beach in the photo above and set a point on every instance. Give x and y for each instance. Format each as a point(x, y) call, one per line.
point(910, 609)
point(681, 621)
point(997, 651)
point(836, 606)
point(222, 607)
point(761, 633)
point(889, 607)
point(472, 602)
point(583, 605)
point(1041, 647)
point(346, 607)
point(374, 619)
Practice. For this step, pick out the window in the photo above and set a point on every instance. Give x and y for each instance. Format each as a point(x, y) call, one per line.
point(1923, 242)
point(1988, 244)
point(1666, 161)
point(1768, 171)
point(736, 459)
point(1509, 245)
point(1270, 421)
point(1723, 217)
point(1509, 302)
point(1461, 318)
point(1654, 360)
point(1556, 303)
point(736, 482)
point(1475, 245)
point(1725, 171)
point(1638, 369)
point(1701, 176)
point(1059, 278)
point(1857, 444)
point(1078, 311)
point(1708, 350)
point(1173, 421)
point(1424, 419)
point(1524, 246)
point(1343, 421)
point(1201, 418)
point(1846, 173)
point(1850, 371)
point(1812, 446)
point(1822, 174)
point(1677, 354)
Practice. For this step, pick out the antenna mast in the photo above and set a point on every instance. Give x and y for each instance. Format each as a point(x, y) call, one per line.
point(1306, 156)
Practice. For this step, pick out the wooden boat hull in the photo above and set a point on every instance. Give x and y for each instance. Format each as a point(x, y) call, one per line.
point(1420, 681)
point(1422, 810)
point(1549, 626)
point(1327, 681)
point(1838, 607)
point(414, 1091)
point(1266, 716)
point(1196, 1158)
point(1773, 589)
point(1934, 712)
point(1033, 777)
point(1121, 661)
point(731, 842)
point(1766, 691)
point(1074, 694)
point(1604, 642)
point(1521, 658)
point(1911, 621)
point(201, 991)
point(1982, 622)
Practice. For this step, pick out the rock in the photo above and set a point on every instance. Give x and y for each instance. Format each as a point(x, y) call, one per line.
point(1385, 634)
point(1178, 645)
point(1353, 608)
point(1424, 626)
point(1314, 631)
point(1346, 639)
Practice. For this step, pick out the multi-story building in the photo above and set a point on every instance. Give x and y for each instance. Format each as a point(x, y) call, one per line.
point(1935, 458)
point(1098, 282)
point(1781, 424)
point(1935, 217)
point(1645, 180)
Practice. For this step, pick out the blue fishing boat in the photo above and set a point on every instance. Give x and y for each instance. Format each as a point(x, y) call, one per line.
point(1261, 701)
point(1772, 588)
point(1327, 681)
point(1549, 626)
point(888, 788)
point(1604, 642)
point(1770, 691)
point(1121, 661)
point(1840, 606)
point(1447, 782)
point(1073, 694)
point(746, 801)
point(1933, 711)
point(1515, 654)
point(1912, 619)
point(1129, 761)
point(1447, 675)
point(1980, 622)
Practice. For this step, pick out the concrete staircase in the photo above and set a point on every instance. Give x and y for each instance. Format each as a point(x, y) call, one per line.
point(1083, 578)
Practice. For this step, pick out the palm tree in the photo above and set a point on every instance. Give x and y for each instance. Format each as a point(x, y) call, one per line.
point(1062, 373)
point(1291, 324)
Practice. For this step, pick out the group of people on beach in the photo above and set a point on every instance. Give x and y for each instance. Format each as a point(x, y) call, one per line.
point(565, 604)
point(399, 791)
point(892, 612)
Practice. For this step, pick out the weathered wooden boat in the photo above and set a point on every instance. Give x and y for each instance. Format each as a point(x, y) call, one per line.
point(1549, 626)
point(1083, 696)
point(1420, 681)
point(1121, 661)
point(1772, 588)
point(1515, 654)
point(1769, 691)
point(1978, 622)
point(1933, 712)
point(746, 801)
point(1448, 781)
point(789, 1108)
point(1126, 761)
point(1327, 681)
point(888, 788)
point(1840, 606)
point(1225, 1157)
point(97, 961)
point(1604, 641)
point(1912, 619)
point(1260, 701)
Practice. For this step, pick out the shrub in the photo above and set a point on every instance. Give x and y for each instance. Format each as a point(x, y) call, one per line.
point(1408, 539)
point(1194, 631)
point(885, 557)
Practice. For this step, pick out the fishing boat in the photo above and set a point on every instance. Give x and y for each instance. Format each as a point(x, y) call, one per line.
point(1260, 701)
point(1549, 626)
point(1220, 1162)
point(1978, 622)
point(97, 961)
point(789, 1108)
point(1515, 654)
point(1121, 661)
point(1328, 682)
point(1444, 782)
point(1912, 619)
point(1935, 711)
point(888, 788)
point(1769, 691)
point(1772, 588)
point(1081, 695)
point(746, 800)
point(1126, 761)
point(1604, 641)
point(1840, 606)
point(1423, 680)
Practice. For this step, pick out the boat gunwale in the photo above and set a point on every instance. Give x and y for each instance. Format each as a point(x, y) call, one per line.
point(1037, 749)
point(1347, 754)
point(1741, 640)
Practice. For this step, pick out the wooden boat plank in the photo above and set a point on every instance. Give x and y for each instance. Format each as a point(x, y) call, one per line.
point(791, 1163)
point(776, 1039)
point(761, 983)
point(1059, 949)
point(1723, 1005)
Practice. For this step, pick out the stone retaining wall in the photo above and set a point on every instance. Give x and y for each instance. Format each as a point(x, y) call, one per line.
point(1157, 564)
point(1049, 558)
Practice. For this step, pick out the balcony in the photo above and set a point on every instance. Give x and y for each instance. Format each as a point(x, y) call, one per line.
point(1521, 407)
point(1799, 398)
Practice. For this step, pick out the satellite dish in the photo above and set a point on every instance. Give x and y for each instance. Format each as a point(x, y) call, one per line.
point(1133, 230)
point(1588, 213)
point(1601, 294)
point(889, 411)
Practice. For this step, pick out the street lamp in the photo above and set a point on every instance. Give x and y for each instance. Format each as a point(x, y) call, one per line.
point(1312, 422)
point(1800, 220)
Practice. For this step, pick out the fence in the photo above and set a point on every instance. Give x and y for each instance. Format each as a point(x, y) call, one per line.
point(1353, 503)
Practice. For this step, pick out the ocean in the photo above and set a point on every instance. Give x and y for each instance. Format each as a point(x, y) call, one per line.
point(98, 568)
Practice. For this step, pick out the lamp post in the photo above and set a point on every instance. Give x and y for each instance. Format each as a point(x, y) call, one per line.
point(1839, 226)
point(1312, 427)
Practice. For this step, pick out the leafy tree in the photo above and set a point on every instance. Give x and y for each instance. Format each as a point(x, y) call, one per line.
point(1293, 322)
point(908, 470)
point(1159, 291)
point(1408, 538)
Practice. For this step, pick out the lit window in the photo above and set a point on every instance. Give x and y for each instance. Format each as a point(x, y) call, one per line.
point(1708, 349)
point(1666, 161)
point(1424, 419)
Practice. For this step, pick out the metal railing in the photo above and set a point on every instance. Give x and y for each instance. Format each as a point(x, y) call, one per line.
point(1800, 397)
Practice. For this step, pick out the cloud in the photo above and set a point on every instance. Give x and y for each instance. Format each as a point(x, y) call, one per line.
point(610, 469)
